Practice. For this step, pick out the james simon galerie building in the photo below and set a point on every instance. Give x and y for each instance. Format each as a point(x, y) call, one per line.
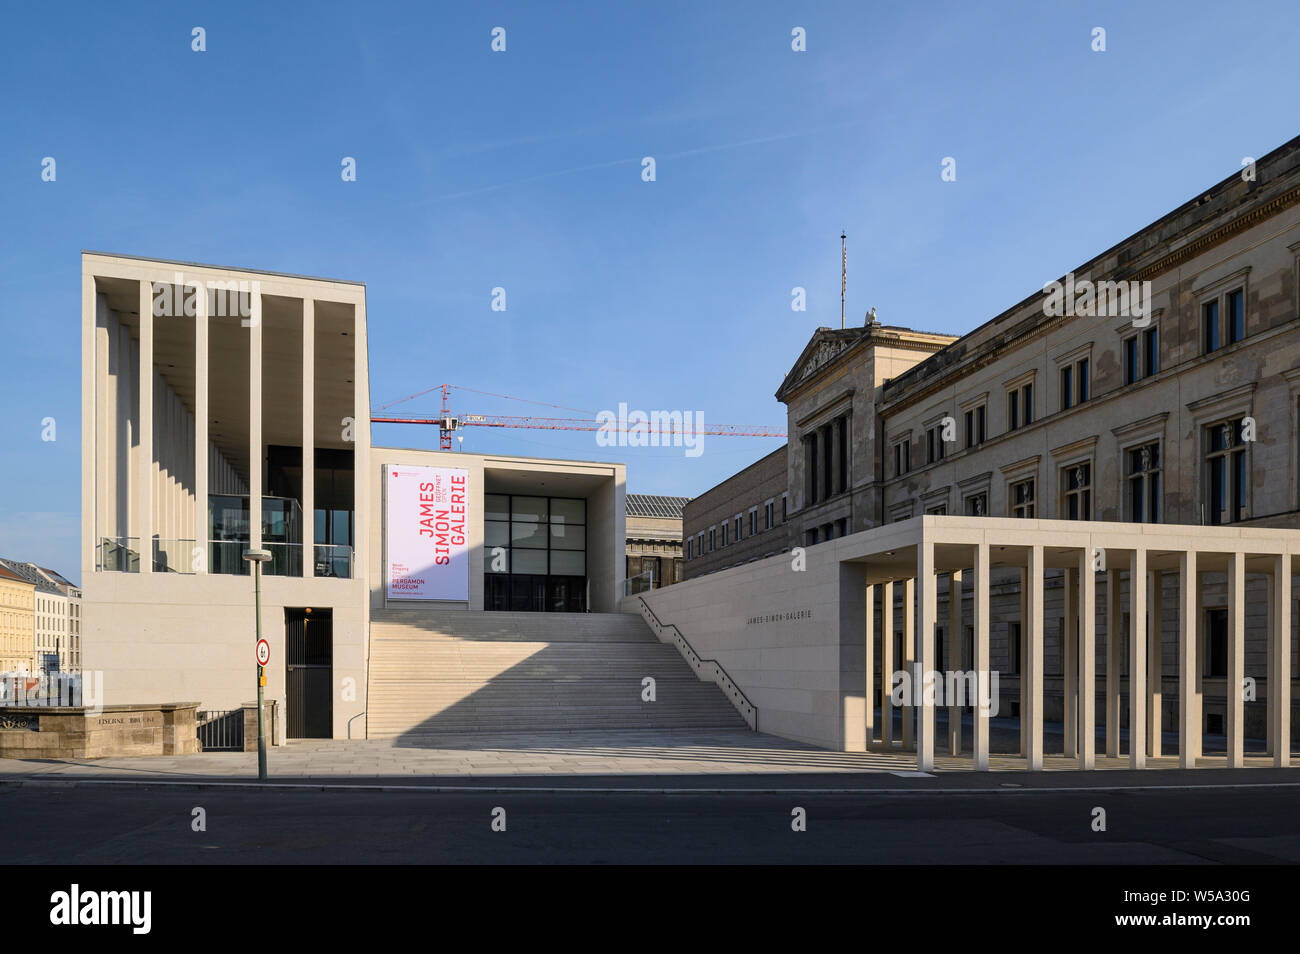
point(1090, 501)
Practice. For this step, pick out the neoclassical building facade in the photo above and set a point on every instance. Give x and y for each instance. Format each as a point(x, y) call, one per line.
point(1168, 394)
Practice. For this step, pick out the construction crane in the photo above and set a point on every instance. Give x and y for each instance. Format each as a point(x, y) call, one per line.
point(448, 423)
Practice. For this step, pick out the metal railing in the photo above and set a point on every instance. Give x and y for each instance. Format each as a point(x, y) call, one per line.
point(708, 669)
point(220, 730)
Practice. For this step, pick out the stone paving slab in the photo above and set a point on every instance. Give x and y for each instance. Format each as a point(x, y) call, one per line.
point(634, 753)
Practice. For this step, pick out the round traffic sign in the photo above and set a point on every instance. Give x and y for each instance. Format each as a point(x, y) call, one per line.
point(263, 652)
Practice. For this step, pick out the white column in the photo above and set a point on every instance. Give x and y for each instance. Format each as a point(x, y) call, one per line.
point(926, 579)
point(1114, 623)
point(1020, 650)
point(309, 439)
point(361, 447)
point(1155, 664)
point(1070, 664)
point(887, 664)
point(1279, 689)
point(1087, 661)
point(1189, 698)
point(94, 446)
point(869, 665)
point(956, 636)
point(255, 423)
point(1233, 703)
point(1269, 626)
point(201, 416)
point(1137, 661)
point(981, 660)
point(1032, 669)
point(909, 657)
point(144, 464)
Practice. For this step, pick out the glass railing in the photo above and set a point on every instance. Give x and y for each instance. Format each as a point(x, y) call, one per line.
point(333, 559)
point(118, 554)
point(640, 583)
point(173, 556)
point(227, 556)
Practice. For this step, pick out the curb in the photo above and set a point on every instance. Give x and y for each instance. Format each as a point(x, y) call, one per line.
point(212, 785)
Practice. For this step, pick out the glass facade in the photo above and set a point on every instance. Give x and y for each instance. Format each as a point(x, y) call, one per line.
point(534, 553)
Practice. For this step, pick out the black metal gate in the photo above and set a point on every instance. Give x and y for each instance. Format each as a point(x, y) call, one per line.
point(309, 672)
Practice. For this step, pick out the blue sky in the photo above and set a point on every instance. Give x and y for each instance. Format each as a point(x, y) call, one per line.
point(522, 170)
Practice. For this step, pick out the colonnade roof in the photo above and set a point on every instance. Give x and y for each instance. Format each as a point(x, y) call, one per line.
point(891, 551)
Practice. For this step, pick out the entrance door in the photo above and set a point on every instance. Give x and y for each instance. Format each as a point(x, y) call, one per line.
point(309, 672)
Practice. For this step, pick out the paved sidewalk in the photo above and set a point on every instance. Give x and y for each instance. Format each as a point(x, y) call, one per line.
point(723, 756)
point(622, 752)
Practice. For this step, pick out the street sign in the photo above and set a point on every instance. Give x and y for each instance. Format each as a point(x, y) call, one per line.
point(263, 652)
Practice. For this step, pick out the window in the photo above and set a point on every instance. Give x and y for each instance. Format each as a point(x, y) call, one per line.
point(769, 511)
point(977, 505)
point(699, 544)
point(1020, 406)
point(753, 521)
point(1076, 384)
point(1076, 491)
point(902, 458)
point(975, 420)
point(1236, 316)
point(1013, 645)
point(713, 538)
point(1223, 321)
point(934, 444)
point(1210, 326)
point(1142, 467)
point(785, 507)
point(739, 524)
point(1022, 499)
point(938, 510)
point(724, 534)
point(690, 549)
point(1141, 355)
point(1225, 461)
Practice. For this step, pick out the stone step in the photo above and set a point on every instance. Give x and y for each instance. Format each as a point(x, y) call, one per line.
point(448, 671)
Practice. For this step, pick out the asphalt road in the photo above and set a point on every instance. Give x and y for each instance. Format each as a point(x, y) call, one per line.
point(103, 824)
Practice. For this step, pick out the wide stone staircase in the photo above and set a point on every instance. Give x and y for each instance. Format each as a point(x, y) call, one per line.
point(451, 671)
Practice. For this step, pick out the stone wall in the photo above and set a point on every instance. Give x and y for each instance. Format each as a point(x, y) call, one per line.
point(42, 732)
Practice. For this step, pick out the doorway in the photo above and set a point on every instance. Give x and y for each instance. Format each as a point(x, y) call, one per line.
point(309, 672)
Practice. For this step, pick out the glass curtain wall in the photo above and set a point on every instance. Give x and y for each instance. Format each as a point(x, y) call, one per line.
point(535, 553)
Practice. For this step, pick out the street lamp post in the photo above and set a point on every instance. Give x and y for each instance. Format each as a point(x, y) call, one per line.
point(257, 558)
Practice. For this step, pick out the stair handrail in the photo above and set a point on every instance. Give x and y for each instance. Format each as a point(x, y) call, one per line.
point(721, 678)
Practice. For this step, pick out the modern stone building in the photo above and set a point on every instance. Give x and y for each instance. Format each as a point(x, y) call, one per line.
point(654, 539)
point(1157, 383)
point(227, 410)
